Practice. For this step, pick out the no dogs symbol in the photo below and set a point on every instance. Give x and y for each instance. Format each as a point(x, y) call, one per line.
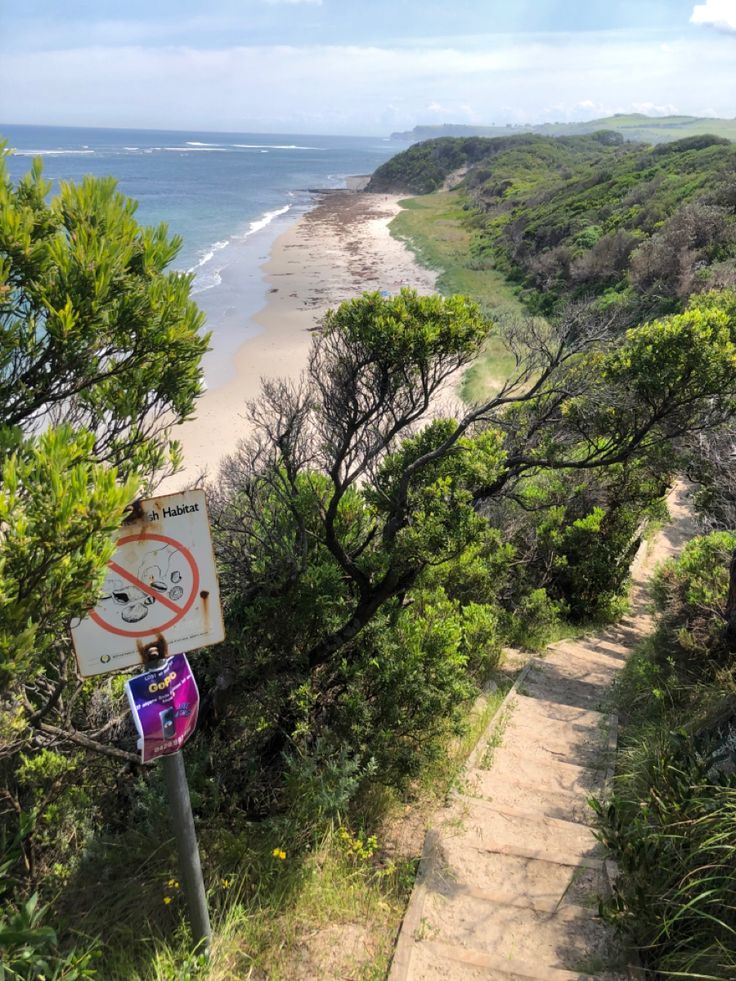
point(150, 586)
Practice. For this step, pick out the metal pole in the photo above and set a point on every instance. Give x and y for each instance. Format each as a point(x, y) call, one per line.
point(180, 807)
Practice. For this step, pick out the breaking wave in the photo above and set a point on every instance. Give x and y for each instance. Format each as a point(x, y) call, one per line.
point(207, 274)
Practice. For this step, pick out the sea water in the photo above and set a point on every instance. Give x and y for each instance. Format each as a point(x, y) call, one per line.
point(228, 195)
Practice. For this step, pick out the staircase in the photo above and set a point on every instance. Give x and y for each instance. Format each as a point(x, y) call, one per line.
point(511, 871)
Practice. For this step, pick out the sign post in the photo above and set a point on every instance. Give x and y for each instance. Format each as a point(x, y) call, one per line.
point(180, 806)
point(161, 592)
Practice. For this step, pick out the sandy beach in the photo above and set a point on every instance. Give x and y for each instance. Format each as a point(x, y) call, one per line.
point(337, 250)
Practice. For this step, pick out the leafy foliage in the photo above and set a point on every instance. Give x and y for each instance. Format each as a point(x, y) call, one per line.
point(100, 350)
point(640, 228)
point(407, 549)
point(670, 822)
point(94, 332)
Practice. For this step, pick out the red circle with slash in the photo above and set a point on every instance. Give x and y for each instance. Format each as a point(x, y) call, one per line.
point(179, 611)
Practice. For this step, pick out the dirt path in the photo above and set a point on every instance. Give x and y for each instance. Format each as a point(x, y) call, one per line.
point(511, 869)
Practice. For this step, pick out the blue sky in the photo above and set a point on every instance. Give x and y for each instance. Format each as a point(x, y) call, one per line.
point(360, 66)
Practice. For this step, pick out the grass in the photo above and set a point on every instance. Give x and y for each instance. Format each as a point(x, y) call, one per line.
point(329, 910)
point(333, 912)
point(436, 229)
point(495, 740)
point(670, 823)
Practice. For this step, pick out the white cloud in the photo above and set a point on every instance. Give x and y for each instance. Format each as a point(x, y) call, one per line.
point(364, 89)
point(652, 109)
point(715, 13)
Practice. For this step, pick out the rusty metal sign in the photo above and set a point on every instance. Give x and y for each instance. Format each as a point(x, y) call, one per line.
point(160, 589)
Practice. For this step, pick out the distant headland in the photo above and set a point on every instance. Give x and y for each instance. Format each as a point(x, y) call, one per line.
point(632, 126)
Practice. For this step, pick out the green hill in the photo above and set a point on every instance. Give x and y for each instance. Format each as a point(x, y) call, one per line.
point(636, 227)
point(632, 126)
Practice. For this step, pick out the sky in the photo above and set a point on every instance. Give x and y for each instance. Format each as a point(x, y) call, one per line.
point(363, 67)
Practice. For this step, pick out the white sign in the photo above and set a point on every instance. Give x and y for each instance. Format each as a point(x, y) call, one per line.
point(161, 587)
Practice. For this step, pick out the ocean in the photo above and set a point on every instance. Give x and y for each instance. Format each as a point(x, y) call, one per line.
point(228, 195)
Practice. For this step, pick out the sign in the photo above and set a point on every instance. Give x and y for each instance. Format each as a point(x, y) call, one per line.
point(165, 704)
point(161, 588)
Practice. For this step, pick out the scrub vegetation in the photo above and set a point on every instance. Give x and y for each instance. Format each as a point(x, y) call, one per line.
point(374, 559)
point(670, 823)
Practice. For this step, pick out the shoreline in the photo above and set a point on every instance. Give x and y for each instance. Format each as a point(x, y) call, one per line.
point(335, 251)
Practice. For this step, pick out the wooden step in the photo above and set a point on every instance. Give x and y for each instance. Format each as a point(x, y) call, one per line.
point(583, 653)
point(484, 827)
point(574, 715)
point(518, 880)
point(578, 694)
point(570, 939)
point(584, 745)
point(524, 764)
point(434, 961)
point(524, 795)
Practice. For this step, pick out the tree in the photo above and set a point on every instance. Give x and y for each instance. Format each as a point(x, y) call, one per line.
point(94, 332)
point(340, 486)
point(100, 351)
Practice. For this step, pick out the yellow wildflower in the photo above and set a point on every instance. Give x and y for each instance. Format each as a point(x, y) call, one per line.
point(167, 900)
point(226, 883)
point(279, 853)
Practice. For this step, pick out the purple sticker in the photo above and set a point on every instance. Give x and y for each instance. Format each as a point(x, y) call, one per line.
point(165, 704)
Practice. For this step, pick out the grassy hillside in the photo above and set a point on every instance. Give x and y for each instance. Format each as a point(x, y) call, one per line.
point(637, 228)
point(425, 167)
point(435, 227)
point(632, 126)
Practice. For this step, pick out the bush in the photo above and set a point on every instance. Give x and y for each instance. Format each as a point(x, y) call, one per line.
point(29, 948)
point(533, 622)
point(690, 595)
point(670, 824)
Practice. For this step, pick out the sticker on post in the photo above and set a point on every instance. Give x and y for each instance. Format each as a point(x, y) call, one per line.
point(165, 705)
point(161, 588)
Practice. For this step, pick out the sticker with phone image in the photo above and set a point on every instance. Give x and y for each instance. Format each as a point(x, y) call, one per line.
point(165, 704)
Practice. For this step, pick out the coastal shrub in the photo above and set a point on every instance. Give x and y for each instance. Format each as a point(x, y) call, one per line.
point(573, 217)
point(669, 824)
point(344, 524)
point(690, 595)
point(479, 574)
point(100, 355)
point(482, 638)
point(533, 621)
point(578, 539)
point(401, 692)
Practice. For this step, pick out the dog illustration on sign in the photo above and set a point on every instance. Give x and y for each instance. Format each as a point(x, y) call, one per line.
point(162, 569)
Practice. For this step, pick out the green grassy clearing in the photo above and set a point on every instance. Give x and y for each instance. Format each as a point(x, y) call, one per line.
point(434, 227)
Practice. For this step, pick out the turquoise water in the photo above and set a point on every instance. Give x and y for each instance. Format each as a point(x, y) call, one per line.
point(227, 194)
